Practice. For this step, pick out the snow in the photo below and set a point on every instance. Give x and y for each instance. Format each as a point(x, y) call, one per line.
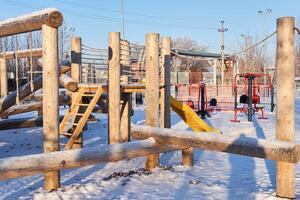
point(215, 175)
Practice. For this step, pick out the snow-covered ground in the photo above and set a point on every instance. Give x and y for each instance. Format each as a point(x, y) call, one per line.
point(214, 176)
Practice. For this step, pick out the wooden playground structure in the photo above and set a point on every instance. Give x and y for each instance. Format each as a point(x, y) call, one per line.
point(150, 140)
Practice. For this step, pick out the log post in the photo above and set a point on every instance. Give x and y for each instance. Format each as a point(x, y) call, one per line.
point(3, 78)
point(50, 101)
point(76, 76)
point(165, 119)
point(126, 97)
point(285, 125)
point(114, 88)
point(152, 90)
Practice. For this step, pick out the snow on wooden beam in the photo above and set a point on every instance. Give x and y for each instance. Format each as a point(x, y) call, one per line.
point(22, 54)
point(13, 167)
point(242, 145)
point(31, 22)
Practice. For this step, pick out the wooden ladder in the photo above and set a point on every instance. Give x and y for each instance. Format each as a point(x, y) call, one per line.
point(79, 113)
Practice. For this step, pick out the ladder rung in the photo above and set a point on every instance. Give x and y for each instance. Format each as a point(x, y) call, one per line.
point(72, 123)
point(66, 134)
point(81, 104)
point(78, 114)
point(88, 95)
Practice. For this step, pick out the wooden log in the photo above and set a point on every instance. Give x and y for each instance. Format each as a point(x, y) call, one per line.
point(68, 83)
point(22, 54)
point(50, 101)
point(23, 122)
point(126, 97)
point(14, 167)
point(285, 118)
point(3, 78)
point(187, 156)
point(76, 76)
point(31, 22)
point(22, 108)
point(114, 88)
point(152, 90)
point(24, 91)
point(242, 145)
point(125, 117)
point(62, 98)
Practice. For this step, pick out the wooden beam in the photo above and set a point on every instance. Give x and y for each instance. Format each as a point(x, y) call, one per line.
point(152, 90)
point(31, 22)
point(23, 122)
point(14, 167)
point(24, 91)
point(50, 101)
point(68, 83)
point(114, 88)
point(285, 117)
point(242, 145)
point(165, 118)
point(22, 54)
point(76, 76)
point(126, 97)
point(3, 78)
point(22, 108)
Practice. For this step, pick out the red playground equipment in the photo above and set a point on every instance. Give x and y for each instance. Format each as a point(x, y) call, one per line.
point(250, 101)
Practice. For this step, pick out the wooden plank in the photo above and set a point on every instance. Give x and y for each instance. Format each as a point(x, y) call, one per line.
point(152, 90)
point(114, 118)
point(165, 118)
point(22, 54)
point(241, 145)
point(50, 101)
point(31, 22)
point(3, 78)
point(285, 119)
point(14, 167)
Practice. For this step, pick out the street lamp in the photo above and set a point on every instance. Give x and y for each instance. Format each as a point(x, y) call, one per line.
point(222, 30)
point(264, 14)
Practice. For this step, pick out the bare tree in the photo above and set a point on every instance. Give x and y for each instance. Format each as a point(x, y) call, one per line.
point(188, 44)
point(65, 33)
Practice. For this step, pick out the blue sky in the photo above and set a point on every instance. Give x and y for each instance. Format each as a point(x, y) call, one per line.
point(199, 20)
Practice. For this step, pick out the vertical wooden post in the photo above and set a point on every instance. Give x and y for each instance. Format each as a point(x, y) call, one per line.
point(113, 87)
point(126, 97)
point(50, 101)
point(285, 127)
point(165, 118)
point(76, 75)
point(3, 78)
point(152, 89)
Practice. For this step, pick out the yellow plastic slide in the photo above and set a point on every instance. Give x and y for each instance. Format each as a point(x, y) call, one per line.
point(188, 115)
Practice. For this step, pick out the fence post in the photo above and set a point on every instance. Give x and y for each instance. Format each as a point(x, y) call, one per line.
point(114, 88)
point(76, 75)
point(165, 118)
point(126, 97)
point(152, 90)
point(285, 127)
point(50, 101)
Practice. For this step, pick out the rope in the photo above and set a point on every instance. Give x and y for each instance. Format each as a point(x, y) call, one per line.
point(31, 63)
point(17, 70)
point(255, 45)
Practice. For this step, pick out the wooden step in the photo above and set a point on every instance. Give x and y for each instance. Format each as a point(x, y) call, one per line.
point(77, 114)
point(81, 104)
point(66, 134)
point(71, 123)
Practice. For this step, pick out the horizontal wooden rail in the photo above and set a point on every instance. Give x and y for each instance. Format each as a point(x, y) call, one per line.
point(31, 22)
point(32, 164)
point(242, 145)
point(22, 54)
